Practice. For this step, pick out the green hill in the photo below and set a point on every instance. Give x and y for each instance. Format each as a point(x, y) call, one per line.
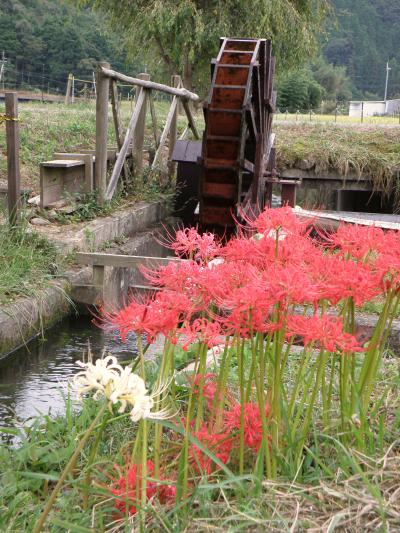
point(44, 40)
point(366, 37)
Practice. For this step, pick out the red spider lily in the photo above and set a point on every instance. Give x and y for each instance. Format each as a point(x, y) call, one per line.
point(126, 489)
point(289, 285)
point(208, 385)
point(220, 444)
point(201, 330)
point(249, 313)
point(326, 331)
point(190, 244)
point(253, 433)
point(335, 278)
point(185, 243)
point(187, 278)
point(281, 221)
point(388, 262)
point(356, 241)
point(159, 315)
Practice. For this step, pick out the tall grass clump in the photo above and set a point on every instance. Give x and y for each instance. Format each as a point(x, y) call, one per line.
point(27, 261)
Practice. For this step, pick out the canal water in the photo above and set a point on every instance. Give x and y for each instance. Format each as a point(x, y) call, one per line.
point(34, 378)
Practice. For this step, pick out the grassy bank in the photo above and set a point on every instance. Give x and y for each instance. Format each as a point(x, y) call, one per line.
point(27, 262)
point(372, 150)
point(49, 128)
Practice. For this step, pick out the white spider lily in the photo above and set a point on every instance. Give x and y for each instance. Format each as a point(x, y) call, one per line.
point(98, 376)
point(120, 386)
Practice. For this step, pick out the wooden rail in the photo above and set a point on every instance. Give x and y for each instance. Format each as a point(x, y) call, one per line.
point(123, 261)
point(134, 135)
point(182, 93)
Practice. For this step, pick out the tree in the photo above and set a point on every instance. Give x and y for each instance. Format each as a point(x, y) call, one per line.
point(333, 79)
point(298, 90)
point(184, 34)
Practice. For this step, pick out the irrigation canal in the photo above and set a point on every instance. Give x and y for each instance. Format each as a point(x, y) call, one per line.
point(34, 379)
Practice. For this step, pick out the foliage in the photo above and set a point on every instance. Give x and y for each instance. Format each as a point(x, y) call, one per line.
point(299, 91)
point(364, 39)
point(185, 35)
point(27, 262)
point(50, 39)
point(369, 151)
point(333, 79)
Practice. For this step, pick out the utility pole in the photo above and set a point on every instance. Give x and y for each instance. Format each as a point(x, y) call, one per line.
point(387, 80)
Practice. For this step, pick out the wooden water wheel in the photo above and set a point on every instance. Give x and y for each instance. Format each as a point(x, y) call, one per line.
point(237, 141)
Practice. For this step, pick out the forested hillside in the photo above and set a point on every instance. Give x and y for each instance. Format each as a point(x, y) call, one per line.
point(366, 37)
point(43, 40)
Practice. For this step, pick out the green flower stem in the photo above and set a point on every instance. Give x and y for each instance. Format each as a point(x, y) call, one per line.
point(372, 355)
point(242, 385)
point(143, 477)
point(141, 356)
point(299, 377)
point(143, 488)
point(201, 373)
point(92, 456)
point(276, 397)
point(322, 361)
point(67, 470)
point(219, 400)
point(187, 430)
point(165, 369)
point(328, 404)
point(383, 337)
point(240, 359)
point(303, 400)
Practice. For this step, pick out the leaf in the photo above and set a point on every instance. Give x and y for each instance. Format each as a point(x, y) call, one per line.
point(39, 475)
point(71, 527)
point(10, 431)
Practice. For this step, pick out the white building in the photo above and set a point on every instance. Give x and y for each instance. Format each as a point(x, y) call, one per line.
point(370, 108)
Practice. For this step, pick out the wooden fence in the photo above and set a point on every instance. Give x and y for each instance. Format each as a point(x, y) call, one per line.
point(133, 139)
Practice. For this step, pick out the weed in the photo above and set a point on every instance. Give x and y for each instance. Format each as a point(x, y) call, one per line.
point(28, 262)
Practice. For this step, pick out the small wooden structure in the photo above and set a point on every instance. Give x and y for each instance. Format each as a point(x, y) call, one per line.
point(134, 136)
point(60, 177)
point(113, 292)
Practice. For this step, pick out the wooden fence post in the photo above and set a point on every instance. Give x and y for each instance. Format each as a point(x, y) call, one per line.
point(138, 139)
point(117, 123)
point(103, 88)
point(12, 134)
point(173, 132)
point(68, 91)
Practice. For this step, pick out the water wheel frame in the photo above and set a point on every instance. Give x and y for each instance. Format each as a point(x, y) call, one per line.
point(237, 146)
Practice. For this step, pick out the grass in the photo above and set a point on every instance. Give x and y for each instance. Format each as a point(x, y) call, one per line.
point(48, 128)
point(339, 119)
point(371, 149)
point(336, 488)
point(27, 262)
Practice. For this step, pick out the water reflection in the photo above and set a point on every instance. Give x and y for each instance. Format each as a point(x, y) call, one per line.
point(33, 379)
